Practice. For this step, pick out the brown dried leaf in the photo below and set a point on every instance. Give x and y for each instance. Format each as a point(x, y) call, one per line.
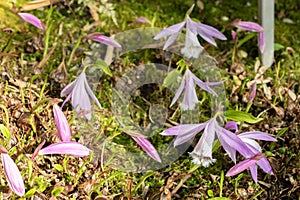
point(32, 5)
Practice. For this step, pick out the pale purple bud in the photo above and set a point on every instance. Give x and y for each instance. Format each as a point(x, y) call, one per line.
point(61, 124)
point(98, 37)
point(252, 93)
point(233, 34)
point(32, 20)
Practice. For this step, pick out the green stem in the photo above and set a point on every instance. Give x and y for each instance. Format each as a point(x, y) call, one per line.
point(73, 51)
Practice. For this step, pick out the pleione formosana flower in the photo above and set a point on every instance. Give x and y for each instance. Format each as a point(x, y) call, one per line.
point(66, 146)
point(190, 98)
point(244, 143)
point(252, 27)
point(192, 46)
point(12, 173)
point(80, 93)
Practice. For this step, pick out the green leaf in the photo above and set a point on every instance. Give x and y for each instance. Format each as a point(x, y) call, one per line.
point(58, 167)
point(210, 193)
point(104, 67)
point(240, 116)
point(281, 132)
point(219, 198)
point(56, 191)
point(171, 78)
point(278, 46)
point(5, 132)
point(30, 193)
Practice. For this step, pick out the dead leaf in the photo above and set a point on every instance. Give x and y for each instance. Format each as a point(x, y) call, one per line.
point(32, 5)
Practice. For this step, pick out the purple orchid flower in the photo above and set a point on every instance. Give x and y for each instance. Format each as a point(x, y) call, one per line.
point(251, 163)
point(192, 45)
point(190, 98)
point(202, 153)
point(147, 147)
point(70, 148)
point(32, 20)
point(80, 93)
point(253, 27)
point(61, 124)
point(98, 37)
point(12, 173)
point(249, 139)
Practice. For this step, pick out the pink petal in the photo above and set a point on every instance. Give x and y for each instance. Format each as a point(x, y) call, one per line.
point(265, 165)
point(143, 20)
point(148, 148)
point(231, 125)
point(202, 153)
point(174, 29)
point(13, 175)
point(257, 135)
point(70, 148)
point(241, 166)
point(61, 124)
point(249, 26)
point(253, 171)
point(186, 135)
point(91, 94)
point(80, 99)
point(68, 89)
point(32, 20)
point(103, 39)
point(178, 91)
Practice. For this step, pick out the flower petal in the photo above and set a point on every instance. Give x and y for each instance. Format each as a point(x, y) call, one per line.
point(32, 20)
point(13, 175)
point(91, 94)
point(253, 171)
point(257, 135)
point(103, 39)
point(68, 89)
point(185, 135)
point(61, 124)
point(232, 143)
point(231, 125)
point(174, 29)
point(202, 153)
point(71, 148)
point(241, 166)
point(265, 165)
point(148, 148)
point(178, 91)
point(142, 20)
point(80, 99)
point(249, 26)
point(190, 98)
